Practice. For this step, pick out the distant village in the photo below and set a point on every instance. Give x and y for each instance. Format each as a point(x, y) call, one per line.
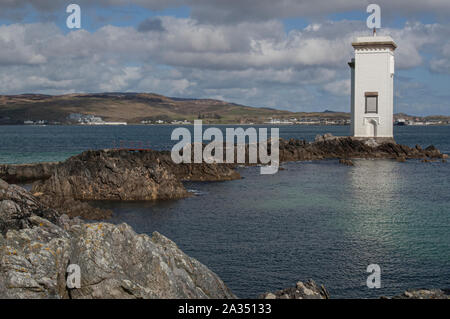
point(420, 122)
point(308, 121)
point(86, 119)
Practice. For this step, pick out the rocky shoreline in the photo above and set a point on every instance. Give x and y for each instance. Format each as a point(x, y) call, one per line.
point(310, 290)
point(41, 232)
point(125, 175)
point(324, 147)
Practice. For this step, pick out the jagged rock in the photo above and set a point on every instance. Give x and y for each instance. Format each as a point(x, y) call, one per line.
point(17, 206)
point(24, 173)
point(101, 175)
point(146, 162)
point(3, 185)
point(113, 175)
point(325, 137)
point(307, 290)
point(401, 159)
point(423, 294)
point(371, 142)
point(74, 208)
point(346, 162)
point(432, 152)
point(115, 262)
point(33, 261)
point(349, 147)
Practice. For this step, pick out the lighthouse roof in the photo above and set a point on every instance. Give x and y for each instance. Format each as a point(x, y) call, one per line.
point(375, 41)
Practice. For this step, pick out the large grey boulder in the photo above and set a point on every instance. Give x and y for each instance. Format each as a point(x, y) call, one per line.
point(33, 261)
point(17, 205)
point(114, 261)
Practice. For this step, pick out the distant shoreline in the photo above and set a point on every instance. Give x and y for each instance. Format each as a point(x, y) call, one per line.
point(155, 109)
point(217, 124)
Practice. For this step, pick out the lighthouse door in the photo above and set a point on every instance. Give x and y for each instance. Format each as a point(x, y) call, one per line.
point(372, 128)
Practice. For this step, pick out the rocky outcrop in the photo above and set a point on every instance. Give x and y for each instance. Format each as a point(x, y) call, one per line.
point(423, 294)
point(126, 175)
point(307, 290)
point(201, 172)
point(17, 206)
point(74, 208)
point(121, 175)
point(112, 175)
point(26, 173)
point(324, 147)
point(346, 162)
point(114, 261)
point(105, 175)
point(332, 147)
point(310, 290)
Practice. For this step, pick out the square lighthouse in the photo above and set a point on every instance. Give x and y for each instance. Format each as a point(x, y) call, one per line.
point(372, 87)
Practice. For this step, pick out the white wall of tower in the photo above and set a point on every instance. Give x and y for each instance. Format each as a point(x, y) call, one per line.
point(374, 72)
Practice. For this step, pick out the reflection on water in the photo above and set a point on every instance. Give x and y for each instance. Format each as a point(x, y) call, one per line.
point(373, 190)
point(319, 220)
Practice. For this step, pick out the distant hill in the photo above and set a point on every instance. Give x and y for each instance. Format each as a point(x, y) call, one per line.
point(136, 107)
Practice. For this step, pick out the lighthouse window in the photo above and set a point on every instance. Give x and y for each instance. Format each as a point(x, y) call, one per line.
point(371, 103)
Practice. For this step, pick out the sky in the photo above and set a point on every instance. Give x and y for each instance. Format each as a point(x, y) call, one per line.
point(286, 54)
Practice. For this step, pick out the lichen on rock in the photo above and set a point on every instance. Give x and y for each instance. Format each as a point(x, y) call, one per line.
point(37, 245)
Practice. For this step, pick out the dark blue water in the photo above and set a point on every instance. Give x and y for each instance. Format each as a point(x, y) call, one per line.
point(317, 220)
point(25, 144)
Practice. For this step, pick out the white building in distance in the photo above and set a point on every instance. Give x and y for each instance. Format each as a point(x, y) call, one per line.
point(372, 87)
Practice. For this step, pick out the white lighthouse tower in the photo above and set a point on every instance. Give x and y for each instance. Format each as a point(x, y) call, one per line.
point(372, 87)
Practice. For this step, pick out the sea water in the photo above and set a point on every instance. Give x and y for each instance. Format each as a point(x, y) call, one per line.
point(318, 220)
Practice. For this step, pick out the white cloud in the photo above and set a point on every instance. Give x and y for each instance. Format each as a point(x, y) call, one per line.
point(341, 87)
point(254, 63)
point(232, 11)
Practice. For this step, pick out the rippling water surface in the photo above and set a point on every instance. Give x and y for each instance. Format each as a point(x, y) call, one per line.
point(317, 220)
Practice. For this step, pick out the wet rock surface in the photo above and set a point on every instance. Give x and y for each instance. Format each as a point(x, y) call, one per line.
point(37, 246)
